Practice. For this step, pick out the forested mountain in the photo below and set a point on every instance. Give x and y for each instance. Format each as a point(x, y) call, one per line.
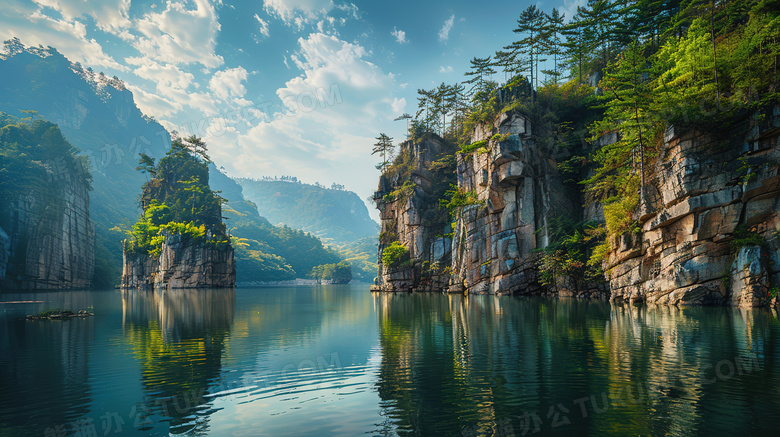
point(98, 116)
point(332, 214)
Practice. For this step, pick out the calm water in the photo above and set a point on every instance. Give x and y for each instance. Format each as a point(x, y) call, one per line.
point(338, 360)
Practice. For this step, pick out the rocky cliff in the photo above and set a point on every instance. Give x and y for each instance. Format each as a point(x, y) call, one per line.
point(707, 228)
point(181, 264)
point(519, 190)
point(709, 221)
point(407, 200)
point(49, 240)
point(180, 240)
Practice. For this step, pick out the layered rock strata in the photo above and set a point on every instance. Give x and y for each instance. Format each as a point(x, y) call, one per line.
point(405, 217)
point(50, 239)
point(181, 264)
point(709, 217)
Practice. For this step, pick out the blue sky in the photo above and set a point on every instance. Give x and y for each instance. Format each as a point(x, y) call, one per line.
point(276, 87)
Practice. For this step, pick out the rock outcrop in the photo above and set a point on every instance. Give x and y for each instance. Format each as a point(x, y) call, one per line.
point(709, 218)
point(519, 190)
point(49, 241)
point(181, 264)
point(408, 212)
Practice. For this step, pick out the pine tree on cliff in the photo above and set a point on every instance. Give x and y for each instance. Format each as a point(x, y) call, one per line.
point(530, 24)
point(627, 92)
point(551, 41)
point(146, 165)
point(384, 147)
point(574, 48)
point(481, 68)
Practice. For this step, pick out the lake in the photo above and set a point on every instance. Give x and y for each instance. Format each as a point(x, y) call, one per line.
point(339, 360)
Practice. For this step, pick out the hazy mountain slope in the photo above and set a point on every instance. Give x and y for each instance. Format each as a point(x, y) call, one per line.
point(330, 214)
point(97, 115)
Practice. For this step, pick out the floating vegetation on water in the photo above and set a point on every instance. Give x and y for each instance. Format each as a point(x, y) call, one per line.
point(57, 314)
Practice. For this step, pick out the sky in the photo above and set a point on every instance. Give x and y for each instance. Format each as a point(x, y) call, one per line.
point(276, 87)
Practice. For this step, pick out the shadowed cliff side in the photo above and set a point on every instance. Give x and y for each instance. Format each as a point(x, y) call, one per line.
point(47, 239)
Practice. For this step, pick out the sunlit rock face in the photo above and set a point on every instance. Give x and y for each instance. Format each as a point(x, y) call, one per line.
point(495, 242)
point(181, 264)
point(412, 219)
point(709, 221)
point(50, 242)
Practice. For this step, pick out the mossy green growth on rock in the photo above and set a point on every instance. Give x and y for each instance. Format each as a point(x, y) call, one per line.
point(395, 254)
point(177, 200)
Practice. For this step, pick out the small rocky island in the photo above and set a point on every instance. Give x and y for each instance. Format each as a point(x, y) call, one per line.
point(179, 241)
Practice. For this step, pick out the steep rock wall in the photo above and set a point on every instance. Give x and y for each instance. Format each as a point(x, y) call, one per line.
point(406, 218)
point(181, 264)
point(709, 217)
point(50, 241)
point(495, 242)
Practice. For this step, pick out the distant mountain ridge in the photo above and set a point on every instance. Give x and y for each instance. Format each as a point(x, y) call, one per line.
point(335, 215)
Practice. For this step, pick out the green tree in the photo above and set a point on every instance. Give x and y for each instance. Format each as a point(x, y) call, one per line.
point(481, 68)
point(146, 165)
point(575, 47)
point(551, 42)
point(531, 24)
point(384, 147)
point(628, 97)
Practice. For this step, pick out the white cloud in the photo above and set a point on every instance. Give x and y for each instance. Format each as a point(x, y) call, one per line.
point(569, 8)
point(263, 26)
point(398, 105)
point(400, 36)
point(33, 27)
point(175, 89)
point(447, 69)
point(109, 15)
point(179, 35)
point(328, 120)
point(297, 13)
point(351, 9)
point(444, 33)
point(228, 83)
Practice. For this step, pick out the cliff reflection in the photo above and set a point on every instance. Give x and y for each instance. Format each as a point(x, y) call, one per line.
point(485, 365)
point(43, 363)
point(178, 336)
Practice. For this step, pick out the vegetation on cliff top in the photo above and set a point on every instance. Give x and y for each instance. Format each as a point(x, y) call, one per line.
point(36, 158)
point(177, 200)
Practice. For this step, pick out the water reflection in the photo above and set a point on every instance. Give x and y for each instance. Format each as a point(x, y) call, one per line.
point(43, 363)
point(487, 365)
point(341, 361)
point(178, 337)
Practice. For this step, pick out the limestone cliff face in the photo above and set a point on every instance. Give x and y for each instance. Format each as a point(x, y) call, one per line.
point(709, 219)
point(181, 264)
point(519, 188)
point(406, 217)
point(50, 241)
